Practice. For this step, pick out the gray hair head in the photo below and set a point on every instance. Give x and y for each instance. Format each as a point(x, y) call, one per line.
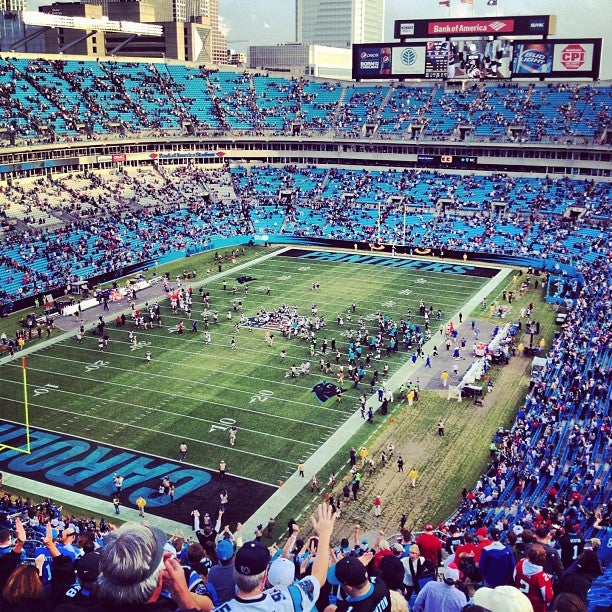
point(247, 584)
point(131, 561)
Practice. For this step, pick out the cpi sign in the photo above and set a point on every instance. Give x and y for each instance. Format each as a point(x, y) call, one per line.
point(573, 57)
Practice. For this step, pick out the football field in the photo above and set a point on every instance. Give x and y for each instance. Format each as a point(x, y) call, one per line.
point(113, 403)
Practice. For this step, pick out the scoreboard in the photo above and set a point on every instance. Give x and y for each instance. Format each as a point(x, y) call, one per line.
point(436, 59)
point(455, 161)
point(478, 58)
point(478, 48)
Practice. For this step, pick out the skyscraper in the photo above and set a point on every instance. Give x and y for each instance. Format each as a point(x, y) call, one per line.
point(201, 10)
point(201, 40)
point(12, 28)
point(339, 23)
point(12, 5)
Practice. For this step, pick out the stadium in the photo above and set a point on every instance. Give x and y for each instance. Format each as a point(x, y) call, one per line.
point(234, 298)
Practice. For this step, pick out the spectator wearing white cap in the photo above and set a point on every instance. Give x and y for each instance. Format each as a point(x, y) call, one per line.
point(503, 598)
point(281, 572)
point(437, 596)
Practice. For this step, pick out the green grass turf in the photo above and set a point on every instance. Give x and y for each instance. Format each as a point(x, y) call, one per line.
point(464, 457)
point(192, 392)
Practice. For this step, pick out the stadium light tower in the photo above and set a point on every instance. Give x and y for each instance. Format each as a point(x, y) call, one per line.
point(90, 26)
point(85, 23)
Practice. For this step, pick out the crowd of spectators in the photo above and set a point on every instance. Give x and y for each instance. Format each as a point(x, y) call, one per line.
point(106, 221)
point(57, 99)
point(81, 225)
point(547, 483)
point(495, 213)
point(50, 562)
point(548, 480)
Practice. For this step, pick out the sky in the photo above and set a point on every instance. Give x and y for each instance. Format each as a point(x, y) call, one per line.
point(265, 22)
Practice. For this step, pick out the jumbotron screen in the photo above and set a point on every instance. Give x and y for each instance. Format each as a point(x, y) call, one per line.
point(478, 58)
point(557, 58)
point(434, 59)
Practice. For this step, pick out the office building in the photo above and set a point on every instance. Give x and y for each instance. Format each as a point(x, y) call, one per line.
point(339, 23)
point(303, 60)
point(191, 29)
point(12, 28)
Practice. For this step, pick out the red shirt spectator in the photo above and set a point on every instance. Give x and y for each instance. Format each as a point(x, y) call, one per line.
point(483, 540)
point(468, 549)
point(430, 545)
point(531, 579)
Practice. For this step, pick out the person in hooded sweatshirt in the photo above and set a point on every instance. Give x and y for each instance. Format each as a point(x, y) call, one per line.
point(579, 576)
point(531, 579)
point(496, 562)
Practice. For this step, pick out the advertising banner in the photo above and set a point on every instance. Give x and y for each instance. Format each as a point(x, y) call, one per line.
point(532, 58)
point(372, 61)
point(535, 25)
point(390, 61)
point(577, 57)
point(408, 60)
point(573, 57)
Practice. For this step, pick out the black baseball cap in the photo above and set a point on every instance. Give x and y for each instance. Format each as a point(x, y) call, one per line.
point(252, 558)
point(349, 570)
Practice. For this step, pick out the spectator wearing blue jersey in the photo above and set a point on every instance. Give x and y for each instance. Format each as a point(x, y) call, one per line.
point(251, 573)
point(45, 570)
point(66, 545)
point(7, 543)
point(10, 559)
point(604, 551)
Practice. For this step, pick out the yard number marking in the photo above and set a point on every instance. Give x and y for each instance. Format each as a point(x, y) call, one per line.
point(96, 365)
point(225, 423)
point(262, 396)
point(45, 389)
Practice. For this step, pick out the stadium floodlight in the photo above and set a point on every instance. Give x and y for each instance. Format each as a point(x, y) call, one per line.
point(142, 29)
point(85, 23)
point(43, 19)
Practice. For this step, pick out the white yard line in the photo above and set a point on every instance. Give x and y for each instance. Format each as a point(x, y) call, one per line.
point(294, 484)
point(281, 498)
